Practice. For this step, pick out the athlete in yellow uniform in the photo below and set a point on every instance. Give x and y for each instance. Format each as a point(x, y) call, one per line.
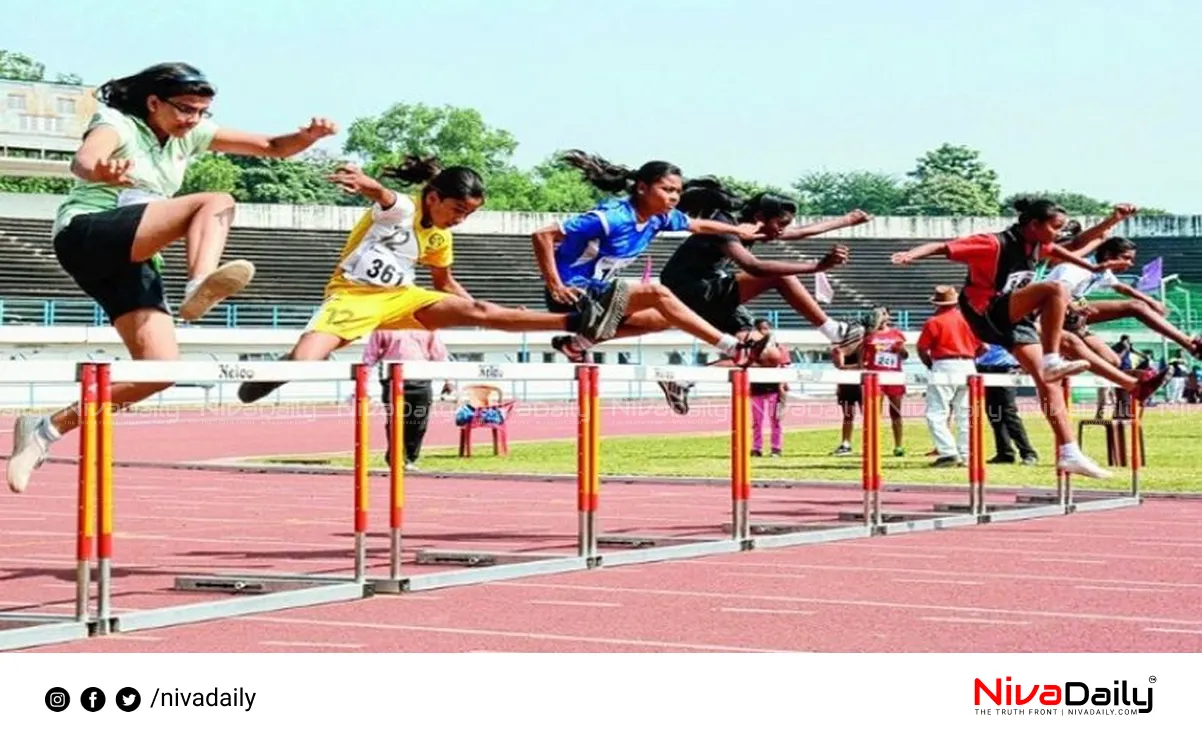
point(373, 286)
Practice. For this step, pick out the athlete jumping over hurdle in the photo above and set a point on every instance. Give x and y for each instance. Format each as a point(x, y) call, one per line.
point(373, 284)
point(715, 274)
point(1001, 305)
point(123, 209)
point(581, 258)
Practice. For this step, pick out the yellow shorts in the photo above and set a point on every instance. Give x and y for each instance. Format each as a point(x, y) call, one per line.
point(350, 315)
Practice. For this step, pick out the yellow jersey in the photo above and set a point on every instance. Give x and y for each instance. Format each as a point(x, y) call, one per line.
point(385, 247)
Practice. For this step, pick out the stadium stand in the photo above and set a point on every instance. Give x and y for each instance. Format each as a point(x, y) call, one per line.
point(293, 265)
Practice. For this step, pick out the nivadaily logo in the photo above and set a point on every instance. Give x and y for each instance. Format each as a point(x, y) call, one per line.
point(1071, 697)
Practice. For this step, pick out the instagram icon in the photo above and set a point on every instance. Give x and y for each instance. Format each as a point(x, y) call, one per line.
point(57, 699)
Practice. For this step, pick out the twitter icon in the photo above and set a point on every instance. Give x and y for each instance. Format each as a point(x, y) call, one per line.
point(128, 699)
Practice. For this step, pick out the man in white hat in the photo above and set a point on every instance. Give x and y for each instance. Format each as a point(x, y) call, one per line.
point(947, 345)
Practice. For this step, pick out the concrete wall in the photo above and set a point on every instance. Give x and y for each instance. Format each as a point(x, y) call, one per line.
point(290, 216)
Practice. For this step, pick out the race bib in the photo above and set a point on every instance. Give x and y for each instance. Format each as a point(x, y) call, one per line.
point(378, 265)
point(887, 360)
point(131, 196)
point(1017, 280)
point(607, 267)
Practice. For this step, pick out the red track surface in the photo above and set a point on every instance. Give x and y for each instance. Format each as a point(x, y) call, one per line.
point(1119, 581)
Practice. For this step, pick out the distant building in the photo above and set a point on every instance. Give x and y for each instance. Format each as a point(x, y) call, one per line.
point(41, 121)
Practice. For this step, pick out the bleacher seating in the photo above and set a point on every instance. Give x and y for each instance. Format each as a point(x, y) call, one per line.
point(293, 265)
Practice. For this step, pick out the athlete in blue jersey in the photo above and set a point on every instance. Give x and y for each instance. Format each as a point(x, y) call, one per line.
point(580, 259)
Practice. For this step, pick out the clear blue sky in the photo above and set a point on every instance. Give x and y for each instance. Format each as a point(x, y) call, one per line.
point(1096, 96)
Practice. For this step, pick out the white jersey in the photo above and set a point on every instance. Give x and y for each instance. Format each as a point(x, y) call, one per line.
point(1080, 281)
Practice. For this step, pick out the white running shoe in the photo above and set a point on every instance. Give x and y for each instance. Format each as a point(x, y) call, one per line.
point(1079, 464)
point(1059, 370)
point(30, 449)
point(223, 283)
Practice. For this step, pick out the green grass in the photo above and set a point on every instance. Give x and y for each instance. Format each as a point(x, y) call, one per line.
point(1172, 438)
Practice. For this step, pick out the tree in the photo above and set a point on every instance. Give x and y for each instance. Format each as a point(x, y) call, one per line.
point(296, 180)
point(457, 136)
point(953, 178)
point(17, 66)
point(212, 172)
point(828, 194)
point(945, 195)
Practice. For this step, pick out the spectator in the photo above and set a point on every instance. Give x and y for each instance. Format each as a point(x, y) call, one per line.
point(768, 400)
point(884, 350)
point(847, 396)
point(1192, 385)
point(1178, 371)
point(407, 345)
point(1002, 408)
point(947, 345)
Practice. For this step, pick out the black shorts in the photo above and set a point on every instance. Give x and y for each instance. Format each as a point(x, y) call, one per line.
point(995, 327)
point(849, 394)
point(717, 301)
point(94, 249)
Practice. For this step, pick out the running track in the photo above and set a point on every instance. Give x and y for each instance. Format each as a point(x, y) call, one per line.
point(1116, 581)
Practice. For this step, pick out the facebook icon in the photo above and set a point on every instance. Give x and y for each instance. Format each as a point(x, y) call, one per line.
point(92, 699)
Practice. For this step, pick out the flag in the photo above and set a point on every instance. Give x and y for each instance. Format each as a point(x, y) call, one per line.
point(647, 270)
point(823, 290)
point(1149, 280)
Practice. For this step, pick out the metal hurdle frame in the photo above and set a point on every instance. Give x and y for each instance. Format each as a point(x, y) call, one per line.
point(34, 630)
point(635, 548)
point(488, 566)
point(269, 592)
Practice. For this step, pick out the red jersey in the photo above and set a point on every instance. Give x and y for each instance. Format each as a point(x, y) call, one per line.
point(997, 264)
point(882, 351)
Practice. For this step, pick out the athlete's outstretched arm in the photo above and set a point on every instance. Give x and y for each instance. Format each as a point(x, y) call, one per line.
point(712, 227)
point(754, 265)
point(906, 257)
point(444, 282)
point(1136, 294)
point(1099, 230)
point(810, 230)
point(545, 240)
point(351, 179)
point(235, 142)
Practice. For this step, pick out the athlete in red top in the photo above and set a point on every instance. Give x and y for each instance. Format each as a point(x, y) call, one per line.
point(1000, 303)
point(884, 349)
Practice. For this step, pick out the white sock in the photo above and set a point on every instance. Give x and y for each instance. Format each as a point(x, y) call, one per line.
point(727, 343)
point(1070, 450)
point(193, 285)
point(580, 343)
point(1051, 359)
point(832, 330)
point(47, 431)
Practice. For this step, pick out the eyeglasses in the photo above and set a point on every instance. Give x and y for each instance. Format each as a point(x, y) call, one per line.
point(187, 110)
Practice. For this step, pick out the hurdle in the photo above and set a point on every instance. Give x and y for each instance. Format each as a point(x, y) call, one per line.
point(1028, 506)
point(488, 566)
point(628, 548)
point(256, 593)
point(24, 629)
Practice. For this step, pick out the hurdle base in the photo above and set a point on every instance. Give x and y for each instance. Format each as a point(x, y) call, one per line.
point(768, 529)
point(645, 541)
point(888, 517)
point(252, 584)
point(471, 559)
point(37, 630)
point(297, 596)
point(481, 572)
point(790, 535)
point(1052, 498)
point(965, 508)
